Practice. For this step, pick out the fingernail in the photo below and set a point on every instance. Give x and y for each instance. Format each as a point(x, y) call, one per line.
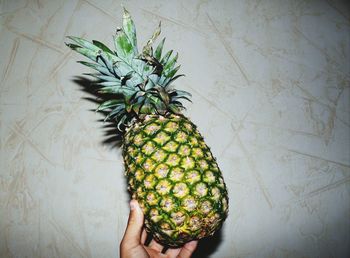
point(132, 205)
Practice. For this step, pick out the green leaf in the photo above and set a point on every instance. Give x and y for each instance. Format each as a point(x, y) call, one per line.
point(174, 108)
point(166, 77)
point(136, 107)
point(83, 43)
point(130, 30)
point(138, 65)
point(91, 54)
point(181, 93)
point(121, 122)
point(109, 103)
point(146, 108)
point(109, 84)
point(147, 49)
point(166, 57)
point(123, 69)
point(112, 90)
point(170, 64)
point(97, 67)
point(168, 81)
point(103, 59)
point(154, 78)
point(104, 77)
point(124, 48)
point(164, 95)
point(181, 97)
point(102, 46)
point(158, 104)
point(173, 72)
point(134, 80)
point(116, 111)
point(158, 52)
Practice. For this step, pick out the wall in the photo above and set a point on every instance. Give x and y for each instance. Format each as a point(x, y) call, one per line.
point(270, 85)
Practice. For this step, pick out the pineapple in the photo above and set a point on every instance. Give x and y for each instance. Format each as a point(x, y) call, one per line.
point(170, 169)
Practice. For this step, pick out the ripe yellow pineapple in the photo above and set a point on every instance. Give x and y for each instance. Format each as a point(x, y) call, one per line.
point(170, 170)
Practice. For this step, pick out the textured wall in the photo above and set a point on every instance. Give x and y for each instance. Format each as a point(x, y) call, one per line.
point(270, 84)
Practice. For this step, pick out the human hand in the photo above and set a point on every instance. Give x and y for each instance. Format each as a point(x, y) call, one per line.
point(133, 242)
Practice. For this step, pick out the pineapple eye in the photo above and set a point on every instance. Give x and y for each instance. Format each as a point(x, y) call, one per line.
point(161, 138)
point(189, 203)
point(152, 199)
point(170, 146)
point(180, 190)
point(178, 218)
point(188, 126)
point(173, 160)
point(152, 128)
point(221, 183)
point(155, 217)
point(159, 155)
point(206, 207)
point(224, 204)
point(215, 192)
point(201, 189)
point(131, 149)
point(131, 168)
point(167, 204)
point(187, 163)
point(165, 226)
point(149, 181)
point(209, 177)
point(139, 175)
point(171, 127)
point(185, 150)
point(197, 153)
point(161, 171)
point(138, 140)
point(176, 174)
point(127, 138)
point(131, 184)
point(181, 137)
point(194, 223)
point(203, 164)
point(148, 165)
point(193, 176)
point(148, 148)
point(193, 141)
point(163, 187)
point(214, 167)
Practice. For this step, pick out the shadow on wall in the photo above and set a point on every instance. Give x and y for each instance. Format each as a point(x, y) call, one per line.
point(111, 138)
point(208, 246)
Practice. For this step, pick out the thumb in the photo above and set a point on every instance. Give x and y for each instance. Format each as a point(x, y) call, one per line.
point(187, 249)
point(132, 235)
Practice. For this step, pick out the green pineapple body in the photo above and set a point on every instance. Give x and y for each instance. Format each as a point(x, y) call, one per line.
point(175, 178)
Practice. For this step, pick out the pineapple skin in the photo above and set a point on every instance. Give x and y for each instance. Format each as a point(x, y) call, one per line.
point(173, 175)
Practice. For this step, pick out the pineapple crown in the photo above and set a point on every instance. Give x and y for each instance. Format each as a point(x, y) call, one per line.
point(139, 82)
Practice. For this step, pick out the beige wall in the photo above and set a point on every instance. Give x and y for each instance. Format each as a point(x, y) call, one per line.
point(270, 84)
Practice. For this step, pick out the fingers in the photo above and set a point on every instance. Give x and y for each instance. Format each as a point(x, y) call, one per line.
point(187, 249)
point(156, 246)
point(143, 236)
point(171, 252)
point(132, 235)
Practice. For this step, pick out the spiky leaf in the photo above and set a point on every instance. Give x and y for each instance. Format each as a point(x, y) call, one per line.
point(159, 49)
point(130, 30)
point(147, 49)
point(123, 46)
